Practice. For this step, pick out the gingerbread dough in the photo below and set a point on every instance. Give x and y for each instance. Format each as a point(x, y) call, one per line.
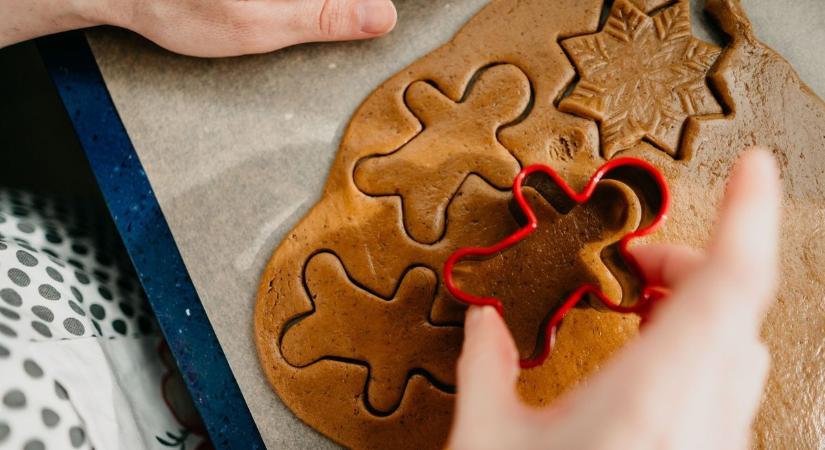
point(355, 325)
point(370, 221)
point(457, 139)
point(565, 249)
point(641, 77)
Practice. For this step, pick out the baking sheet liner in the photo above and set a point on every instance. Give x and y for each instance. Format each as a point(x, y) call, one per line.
point(237, 149)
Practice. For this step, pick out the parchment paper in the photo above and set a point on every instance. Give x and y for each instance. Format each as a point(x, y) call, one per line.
point(237, 149)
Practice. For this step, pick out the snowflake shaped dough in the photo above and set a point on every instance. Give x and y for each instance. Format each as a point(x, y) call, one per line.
point(641, 77)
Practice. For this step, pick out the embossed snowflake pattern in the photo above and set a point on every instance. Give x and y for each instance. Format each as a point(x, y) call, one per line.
point(641, 77)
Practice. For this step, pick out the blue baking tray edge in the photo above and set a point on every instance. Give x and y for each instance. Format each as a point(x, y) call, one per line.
point(148, 240)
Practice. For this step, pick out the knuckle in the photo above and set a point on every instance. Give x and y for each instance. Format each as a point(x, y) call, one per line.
point(334, 18)
point(233, 17)
point(247, 30)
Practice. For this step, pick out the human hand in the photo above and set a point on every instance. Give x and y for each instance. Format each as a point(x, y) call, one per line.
point(694, 376)
point(205, 28)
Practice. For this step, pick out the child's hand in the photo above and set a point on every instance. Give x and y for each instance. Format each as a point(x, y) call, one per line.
point(692, 379)
point(205, 28)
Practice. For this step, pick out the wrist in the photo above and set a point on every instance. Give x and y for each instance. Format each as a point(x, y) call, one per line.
point(23, 20)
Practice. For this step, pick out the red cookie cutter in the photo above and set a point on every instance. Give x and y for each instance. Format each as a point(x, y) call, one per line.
point(631, 171)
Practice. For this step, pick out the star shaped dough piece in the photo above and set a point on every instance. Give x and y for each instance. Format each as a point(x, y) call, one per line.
point(533, 278)
point(392, 336)
point(641, 77)
point(458, 139)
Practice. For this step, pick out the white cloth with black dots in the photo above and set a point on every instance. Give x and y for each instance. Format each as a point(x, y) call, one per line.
point(82, 362)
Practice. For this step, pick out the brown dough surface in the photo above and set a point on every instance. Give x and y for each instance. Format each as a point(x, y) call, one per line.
point(457, 139)
point(565, 249)
point(641, 77)
point(762, 101)
point(354, 324)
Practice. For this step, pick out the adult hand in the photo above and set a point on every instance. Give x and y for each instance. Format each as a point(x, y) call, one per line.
point(692, 379)
point(205, 28)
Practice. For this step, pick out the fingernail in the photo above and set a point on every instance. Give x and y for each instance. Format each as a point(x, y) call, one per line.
point(475, 315)
point(376, 16)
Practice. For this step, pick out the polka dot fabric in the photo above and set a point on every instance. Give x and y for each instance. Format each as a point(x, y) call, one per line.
point(35, 411)
point(66, 288)
point(73, 285)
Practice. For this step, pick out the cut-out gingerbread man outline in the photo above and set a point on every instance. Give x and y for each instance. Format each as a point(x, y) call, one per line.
point(359, 326)
point(457, 139)
point(564, 252)
point(653, 192)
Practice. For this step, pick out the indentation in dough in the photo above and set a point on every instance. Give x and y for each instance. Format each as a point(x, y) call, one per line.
point(458, 139)
point(353, 325)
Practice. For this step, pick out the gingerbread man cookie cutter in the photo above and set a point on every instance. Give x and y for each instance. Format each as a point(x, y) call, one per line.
point(651, 185)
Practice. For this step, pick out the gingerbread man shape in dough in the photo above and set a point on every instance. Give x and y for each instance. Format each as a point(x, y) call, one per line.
point(362, 328)
point(566, 251)
point(458, 139)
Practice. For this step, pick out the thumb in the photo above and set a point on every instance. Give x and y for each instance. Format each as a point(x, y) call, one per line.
point(487, 369)
point(339, 20)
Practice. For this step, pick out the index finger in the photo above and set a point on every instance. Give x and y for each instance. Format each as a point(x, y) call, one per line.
point(731, 289)
point(746, 239)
